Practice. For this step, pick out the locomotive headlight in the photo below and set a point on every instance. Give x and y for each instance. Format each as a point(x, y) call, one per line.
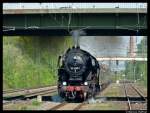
point(85, 83)
point(64, 83)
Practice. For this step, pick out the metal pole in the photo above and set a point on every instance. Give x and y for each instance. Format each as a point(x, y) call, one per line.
point(134, 73)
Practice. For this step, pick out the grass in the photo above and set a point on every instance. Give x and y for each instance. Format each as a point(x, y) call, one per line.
point(36, 103)
point(113, 91)
point(23, 108)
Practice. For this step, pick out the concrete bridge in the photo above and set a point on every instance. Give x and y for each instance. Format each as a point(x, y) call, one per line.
point(59, 22)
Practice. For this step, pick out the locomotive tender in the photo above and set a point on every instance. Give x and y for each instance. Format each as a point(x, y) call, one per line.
point(78, 74)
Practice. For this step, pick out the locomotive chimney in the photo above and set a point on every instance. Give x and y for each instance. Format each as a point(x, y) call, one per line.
point(75, 34)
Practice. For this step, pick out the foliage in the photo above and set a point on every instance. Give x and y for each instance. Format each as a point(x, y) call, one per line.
point(31, 61)
point(138, 70)
point(142, 47)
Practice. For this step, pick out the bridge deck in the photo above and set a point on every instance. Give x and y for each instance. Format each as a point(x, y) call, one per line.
point(86, 10)
point(58, 22)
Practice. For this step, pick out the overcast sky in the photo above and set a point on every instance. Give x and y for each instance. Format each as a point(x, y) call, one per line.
point(73, 5)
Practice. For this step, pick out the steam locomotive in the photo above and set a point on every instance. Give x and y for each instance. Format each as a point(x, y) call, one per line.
point(78, 74)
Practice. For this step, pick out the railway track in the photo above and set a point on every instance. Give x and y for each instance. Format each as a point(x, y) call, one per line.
point(31, 95)
point(128, 100)
point(27, 92)
point(73, 106)
point(28, 95)
point(133, 102)
point(11, 102)
point(58, 106)
point(40, 93)
point(130, 104)
point(139, 93)
point(24, 89)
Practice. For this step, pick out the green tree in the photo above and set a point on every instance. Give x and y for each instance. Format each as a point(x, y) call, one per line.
point(139, 66)
point(31, 61)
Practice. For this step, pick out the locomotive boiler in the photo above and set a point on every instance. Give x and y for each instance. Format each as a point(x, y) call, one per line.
point(78, 74)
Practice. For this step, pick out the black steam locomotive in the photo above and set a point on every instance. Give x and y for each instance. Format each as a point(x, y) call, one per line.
point(78, 74)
